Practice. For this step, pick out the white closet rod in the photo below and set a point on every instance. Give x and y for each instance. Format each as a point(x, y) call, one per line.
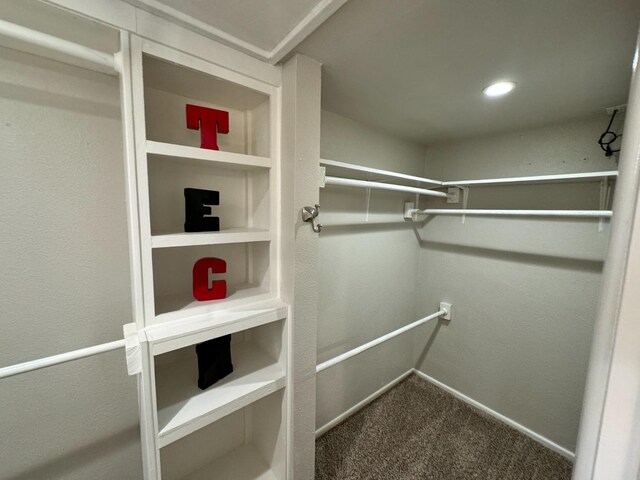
point(32, 365)
point(377, 341)
point(349, 182)
point(377, 171)
point(519, 213)
point(562, 177)
point(104, 61)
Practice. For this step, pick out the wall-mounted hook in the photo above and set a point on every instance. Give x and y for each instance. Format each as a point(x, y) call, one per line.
point(310, 214)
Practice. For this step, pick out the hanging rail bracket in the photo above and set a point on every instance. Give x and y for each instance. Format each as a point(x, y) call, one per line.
point(133, 351)
point(322, 177)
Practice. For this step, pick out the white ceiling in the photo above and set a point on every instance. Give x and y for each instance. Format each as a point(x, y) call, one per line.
point(416, 68)
point(266, 29)
point(259, 22)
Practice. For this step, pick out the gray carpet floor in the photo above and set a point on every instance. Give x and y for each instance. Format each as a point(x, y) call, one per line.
point(418, 431)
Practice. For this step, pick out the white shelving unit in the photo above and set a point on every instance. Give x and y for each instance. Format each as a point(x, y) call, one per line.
point(244, 415)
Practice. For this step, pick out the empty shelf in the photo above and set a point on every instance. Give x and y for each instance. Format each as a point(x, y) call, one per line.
point(182, 305)
point(232, 235)
point(183, 408)
point(229, 159)
point(167, 336)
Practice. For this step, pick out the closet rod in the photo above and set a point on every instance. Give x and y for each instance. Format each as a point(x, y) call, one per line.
point(561, 177)
point(348, 182)
point(377, 171)
point(105, 62)
point(377, 341)
point(32, 365)
point(518, 213)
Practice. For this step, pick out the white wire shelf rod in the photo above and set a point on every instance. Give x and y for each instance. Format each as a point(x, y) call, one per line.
point(105, 62)
point(377, 171)
point(363, 348)
point(517, 213)
point(349, 182)
point(45, 362)
point(534, 178)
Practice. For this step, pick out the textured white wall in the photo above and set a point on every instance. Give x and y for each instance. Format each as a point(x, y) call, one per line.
point(64, 281)
point(367, 270)
point(524, 291)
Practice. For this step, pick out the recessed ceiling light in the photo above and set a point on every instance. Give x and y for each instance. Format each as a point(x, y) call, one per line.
point(499, 88)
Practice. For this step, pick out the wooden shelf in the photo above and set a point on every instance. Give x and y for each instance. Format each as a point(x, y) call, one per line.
point(231, 235)
point(167, 336)
point(244, 463)
point(183, 306)
point(183, 408)
point(227, 159)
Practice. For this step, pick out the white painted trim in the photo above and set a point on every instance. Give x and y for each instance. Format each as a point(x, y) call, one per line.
point(311, 21)
point(193, 24)
point(316, 17)
point(177, 37)
point(498, 416)
point(608, 437)
point(360, 405)
point(124, 15)
point(213, 67)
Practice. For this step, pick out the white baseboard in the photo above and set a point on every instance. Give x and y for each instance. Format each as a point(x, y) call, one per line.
point(360, 405)
point(512, 423)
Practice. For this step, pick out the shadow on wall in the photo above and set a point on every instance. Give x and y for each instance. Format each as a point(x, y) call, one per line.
point(578, 244)
point(63, 467)
point(520, 257)
point(59, 101)
point(434, 334)
point(350, 228)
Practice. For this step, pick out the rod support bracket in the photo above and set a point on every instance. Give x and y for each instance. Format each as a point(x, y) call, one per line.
point(133, 351)
point(448, 309)
point(322, 177)
point(409, 210)
point(453, 194)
